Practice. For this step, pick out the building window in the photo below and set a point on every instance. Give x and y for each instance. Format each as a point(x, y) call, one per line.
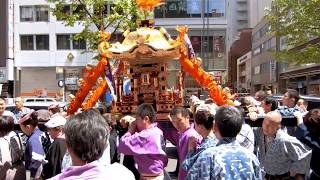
point(65, 42)
point(71, 9)
point(265, 68)
point(79, 44)
point(42, 42)
point(66, 9)
point(214, 8)
point(34, 42)
point(266, 46)
point(26, 42)
point(26, 13)
point(283, 42)
point(42, 13)
point(80, 9)
point(256, 51)
point(34, 13)
point(256, 36)
point(264, 30)
point(101, 10)
point(256, 70)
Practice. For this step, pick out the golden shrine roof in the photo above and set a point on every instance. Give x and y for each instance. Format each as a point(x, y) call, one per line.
point(144, 46)
point(144, 35)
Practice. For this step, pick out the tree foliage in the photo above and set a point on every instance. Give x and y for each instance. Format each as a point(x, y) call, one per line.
point(299, 22)
point(93, 16)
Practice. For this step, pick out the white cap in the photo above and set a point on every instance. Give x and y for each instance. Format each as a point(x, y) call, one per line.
point(55, 122)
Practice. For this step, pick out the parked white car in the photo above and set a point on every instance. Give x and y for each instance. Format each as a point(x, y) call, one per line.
point(39, 101)
point(35, 103)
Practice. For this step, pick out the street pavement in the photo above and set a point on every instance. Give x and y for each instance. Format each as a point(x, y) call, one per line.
point(172, 153)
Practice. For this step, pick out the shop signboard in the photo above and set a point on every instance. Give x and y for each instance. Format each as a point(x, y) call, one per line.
point(3, 72)
point(71, 77)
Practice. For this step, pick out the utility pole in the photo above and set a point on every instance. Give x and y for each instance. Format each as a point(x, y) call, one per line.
point(205, 35)
point(202, 29)
point(277, 69)
point(208, 36)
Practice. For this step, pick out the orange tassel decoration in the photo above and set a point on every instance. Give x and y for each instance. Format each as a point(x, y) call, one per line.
point(93, 99)
point(93, 74)
point(86, 86)
point(202, 77)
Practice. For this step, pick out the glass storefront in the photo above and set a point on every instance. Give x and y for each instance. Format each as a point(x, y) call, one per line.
point(191, 9)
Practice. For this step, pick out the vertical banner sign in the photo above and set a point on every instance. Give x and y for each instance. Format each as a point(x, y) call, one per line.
point(109, 72)
point(191, 53)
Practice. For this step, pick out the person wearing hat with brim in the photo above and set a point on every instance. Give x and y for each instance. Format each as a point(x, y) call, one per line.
point(35, 150)
point(54, 109)
point(58, 147)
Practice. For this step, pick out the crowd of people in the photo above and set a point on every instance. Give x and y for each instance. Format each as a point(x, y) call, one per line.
point(217, 144)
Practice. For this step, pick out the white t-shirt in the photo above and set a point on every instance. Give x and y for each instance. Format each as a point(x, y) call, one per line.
point(105, 158)
point(117, 171)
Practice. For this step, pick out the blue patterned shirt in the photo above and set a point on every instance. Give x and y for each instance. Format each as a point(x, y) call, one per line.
point(209, 141)
point(19, 113)
point(286, 111)
point(227, 160)
point(283, 153)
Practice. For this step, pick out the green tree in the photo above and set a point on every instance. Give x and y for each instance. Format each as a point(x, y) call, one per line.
point(298, 21)
point(92, 14)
